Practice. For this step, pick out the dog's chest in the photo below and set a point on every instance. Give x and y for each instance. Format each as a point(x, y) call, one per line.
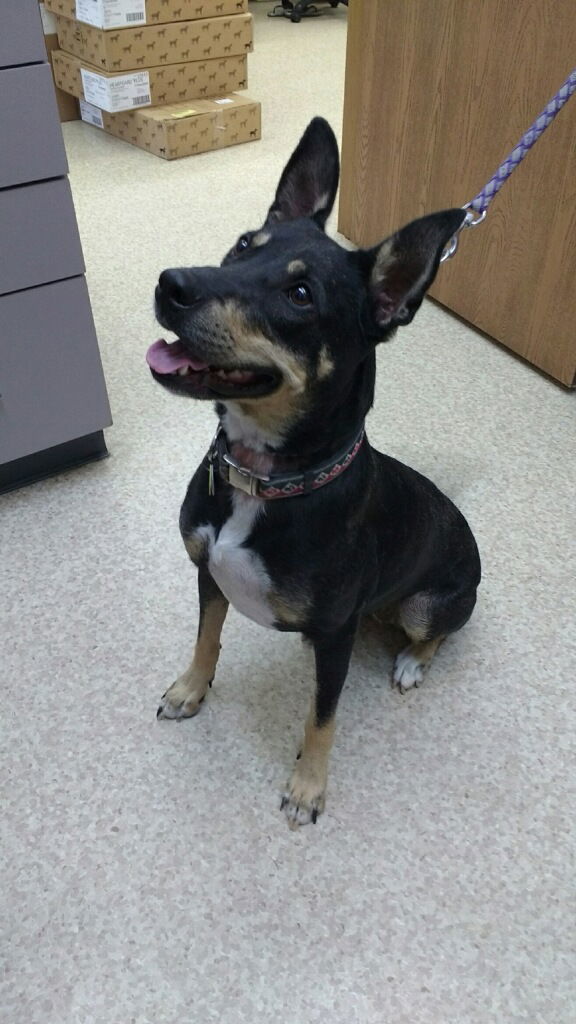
point(238, 570)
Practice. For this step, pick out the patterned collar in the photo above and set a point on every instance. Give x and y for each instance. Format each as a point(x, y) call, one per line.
point(276, 485)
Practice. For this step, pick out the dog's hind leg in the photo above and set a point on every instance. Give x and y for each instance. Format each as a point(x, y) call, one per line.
point(185, 696)
point(305, 795)
point(411, 664)
point(428, 617)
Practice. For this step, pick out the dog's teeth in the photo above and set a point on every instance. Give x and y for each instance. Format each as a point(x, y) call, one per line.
point(183, 371)
point(233, 375)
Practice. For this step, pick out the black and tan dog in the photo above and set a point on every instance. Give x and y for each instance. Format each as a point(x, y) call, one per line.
point(292, 516)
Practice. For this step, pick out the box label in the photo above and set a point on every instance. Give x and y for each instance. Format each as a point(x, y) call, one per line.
point(111, 13)
point(49, 23)
point(123, 92)
point(91, 114)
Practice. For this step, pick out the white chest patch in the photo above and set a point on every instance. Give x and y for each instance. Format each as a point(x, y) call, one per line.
point(238, 571)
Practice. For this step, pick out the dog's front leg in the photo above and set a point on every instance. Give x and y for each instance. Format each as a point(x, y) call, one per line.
point(185, 696)
point(305, 795)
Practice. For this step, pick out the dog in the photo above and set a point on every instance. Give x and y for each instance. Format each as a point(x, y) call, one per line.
point(292, 517)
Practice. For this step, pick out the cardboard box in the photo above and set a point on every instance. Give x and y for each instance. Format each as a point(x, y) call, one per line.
point(181, 129)
point(109, 14)
point(158, 86)
point(68, 108)
point(131, 49)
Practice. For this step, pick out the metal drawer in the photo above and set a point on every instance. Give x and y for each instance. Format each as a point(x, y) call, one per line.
point(40, 240)
point(21, 34)
point(32, 146)
point(51, 382)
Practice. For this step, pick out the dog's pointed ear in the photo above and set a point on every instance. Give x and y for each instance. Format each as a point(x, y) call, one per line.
point(402, 268)
point(309, 181)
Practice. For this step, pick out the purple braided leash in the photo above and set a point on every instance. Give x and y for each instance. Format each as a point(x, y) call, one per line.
point(482, 200)
point(486, 195)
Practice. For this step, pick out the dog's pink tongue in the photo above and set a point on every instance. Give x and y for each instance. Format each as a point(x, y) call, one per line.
point(165, 358)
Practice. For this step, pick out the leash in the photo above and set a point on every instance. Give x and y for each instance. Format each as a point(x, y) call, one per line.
point(482, 200)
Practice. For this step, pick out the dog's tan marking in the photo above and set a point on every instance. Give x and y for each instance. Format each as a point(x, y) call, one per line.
point(321, 202)
point(306, 794)
point(184, 697)
point(393, 268)
point(325, 364)
point(196, 546)
point(384, 260)
point(290, 609)
point(276, 412)
point(296, 267)
point(262, 238)
point(414, 616)
point(424, 652)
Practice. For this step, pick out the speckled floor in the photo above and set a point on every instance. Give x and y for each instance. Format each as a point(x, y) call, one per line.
point(148, 875)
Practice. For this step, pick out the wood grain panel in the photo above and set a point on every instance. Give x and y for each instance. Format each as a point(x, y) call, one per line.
point(437, 93)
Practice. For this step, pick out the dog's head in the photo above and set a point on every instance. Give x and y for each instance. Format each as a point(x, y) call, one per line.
point(289, 317)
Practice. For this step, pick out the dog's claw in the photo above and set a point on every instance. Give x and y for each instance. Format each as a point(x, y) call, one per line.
point(177, 712)
point(408, 672)
point(301, 809)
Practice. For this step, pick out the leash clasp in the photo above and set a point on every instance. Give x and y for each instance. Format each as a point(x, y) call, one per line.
point(468, 222)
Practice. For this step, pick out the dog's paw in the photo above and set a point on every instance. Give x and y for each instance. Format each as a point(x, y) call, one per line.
point(303, 800)
point(180, 701)
point(408, 671)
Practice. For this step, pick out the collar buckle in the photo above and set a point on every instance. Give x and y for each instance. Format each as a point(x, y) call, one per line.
point(242, 478)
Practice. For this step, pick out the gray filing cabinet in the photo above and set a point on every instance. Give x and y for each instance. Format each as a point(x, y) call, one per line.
point(53, 402)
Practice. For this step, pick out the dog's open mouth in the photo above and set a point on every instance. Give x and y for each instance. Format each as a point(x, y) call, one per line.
point(173, 364)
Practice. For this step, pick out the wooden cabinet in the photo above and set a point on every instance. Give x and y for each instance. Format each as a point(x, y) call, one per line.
point(437, 94)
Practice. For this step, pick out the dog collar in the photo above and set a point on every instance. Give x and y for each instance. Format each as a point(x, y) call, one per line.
point(276, 485)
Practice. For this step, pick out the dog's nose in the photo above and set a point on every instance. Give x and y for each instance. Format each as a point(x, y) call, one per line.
point(179, 287)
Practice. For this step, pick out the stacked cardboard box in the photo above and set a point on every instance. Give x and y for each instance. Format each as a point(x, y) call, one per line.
point(147, 59)
point(125, 13)
point(179, 129)
point(67, 104)
point(186, 81)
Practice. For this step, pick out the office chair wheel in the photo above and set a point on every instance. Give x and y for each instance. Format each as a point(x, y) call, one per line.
point(281, 10)
point(304, 9)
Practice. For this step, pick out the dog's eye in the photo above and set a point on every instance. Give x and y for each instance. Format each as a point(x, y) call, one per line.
point(300, 295)
point(242, 243)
